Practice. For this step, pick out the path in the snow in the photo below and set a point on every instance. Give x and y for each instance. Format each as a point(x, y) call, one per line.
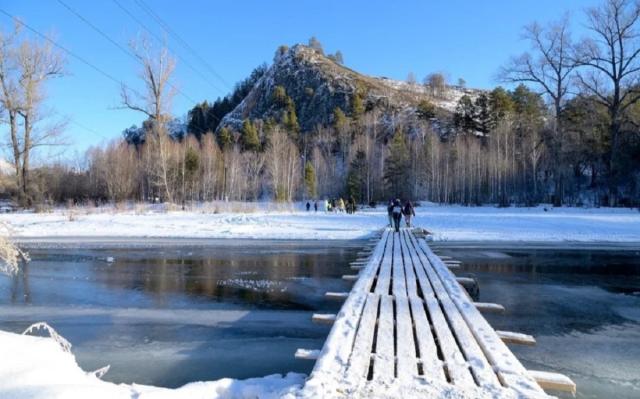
point(409, 329)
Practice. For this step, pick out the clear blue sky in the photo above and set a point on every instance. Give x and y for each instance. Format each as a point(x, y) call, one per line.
point(468, 39)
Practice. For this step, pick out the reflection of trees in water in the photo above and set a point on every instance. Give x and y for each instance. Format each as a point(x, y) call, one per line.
point(20, 285)
point(245, 277)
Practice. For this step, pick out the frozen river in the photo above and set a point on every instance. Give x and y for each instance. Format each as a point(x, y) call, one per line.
point(173, 312)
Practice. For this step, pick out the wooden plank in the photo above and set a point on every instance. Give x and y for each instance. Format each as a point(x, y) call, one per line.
point(553, 381)
point(407, 362)
point(333, 359)
point(489, 307)
point(307, 354)
point(455, 363)
point(483, 371)
point(323, 318)
point(336, 296)
point(384, 277)
point(511, 337)
point(432, 366)
point(410, 276)
point(384, 364)
point(350, 277)
point(509, 369)
point(361, 354)
point(480, 366)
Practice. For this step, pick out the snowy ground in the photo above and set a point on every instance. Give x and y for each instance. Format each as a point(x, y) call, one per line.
point(37, 367)
point(447, 223)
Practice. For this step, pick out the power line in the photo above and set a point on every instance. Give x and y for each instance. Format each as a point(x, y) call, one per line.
point(159, 39)
point(145, 7)
point(66, 50)
point(115, 43)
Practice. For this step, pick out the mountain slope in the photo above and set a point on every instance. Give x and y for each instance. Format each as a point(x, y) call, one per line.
point(317, 85)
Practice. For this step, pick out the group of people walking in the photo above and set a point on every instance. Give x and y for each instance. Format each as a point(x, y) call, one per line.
point(334, 205)
point(396, 211)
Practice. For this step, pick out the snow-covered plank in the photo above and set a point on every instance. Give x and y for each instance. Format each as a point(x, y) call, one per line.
point(323, 318)
point(307, 354)
point(410, 276)
point(467, 343)
point(509, 369)
point(432, 366)
point(407, 362)
point(511, 337)
point(483, 371)
point(489, 307)
point(361, 354)
point(553, 381)
point(384, 277)
point(456, 366)
point(336, 296)
point(333, 359)
point(384, 363)
point(350, 277)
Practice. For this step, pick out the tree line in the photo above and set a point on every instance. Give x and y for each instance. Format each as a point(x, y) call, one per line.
point(566, 133)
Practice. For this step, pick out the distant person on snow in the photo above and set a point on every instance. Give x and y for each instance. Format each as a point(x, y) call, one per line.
point(315, 205)
point(408, 212)
point(341, 205)
point(308, 206)
point(397, 214)
point(390, 212)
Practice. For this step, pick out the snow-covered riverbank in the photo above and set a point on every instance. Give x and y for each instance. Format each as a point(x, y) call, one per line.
point(447, 223)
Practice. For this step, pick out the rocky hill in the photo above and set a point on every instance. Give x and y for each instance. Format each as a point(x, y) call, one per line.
point(317, 85)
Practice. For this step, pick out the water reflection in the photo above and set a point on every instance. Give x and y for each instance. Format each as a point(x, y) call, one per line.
point(195, 311)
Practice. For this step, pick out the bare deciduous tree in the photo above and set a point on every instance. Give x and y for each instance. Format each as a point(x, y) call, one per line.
point(25, 67)
point(155, 102)
point(549, 66)
point(611, 61)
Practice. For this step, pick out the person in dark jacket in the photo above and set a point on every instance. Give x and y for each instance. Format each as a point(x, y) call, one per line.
point(408, 212)
point(315, 205)
point(390, 212)
point(308, 206)
point(397, 214)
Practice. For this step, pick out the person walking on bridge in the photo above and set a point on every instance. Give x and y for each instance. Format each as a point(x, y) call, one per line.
point(390, 213)
point(409, 212)
point(397, 214)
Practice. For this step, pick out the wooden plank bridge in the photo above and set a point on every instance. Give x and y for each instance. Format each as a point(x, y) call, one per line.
point(409, 329)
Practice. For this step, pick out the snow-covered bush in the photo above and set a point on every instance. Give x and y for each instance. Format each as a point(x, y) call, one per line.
point(10, 254)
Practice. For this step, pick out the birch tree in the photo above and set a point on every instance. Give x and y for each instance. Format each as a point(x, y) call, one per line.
point(154, 102)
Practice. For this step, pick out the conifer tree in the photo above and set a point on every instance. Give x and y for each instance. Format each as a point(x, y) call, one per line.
point(310, 183)
point(357, 106)
point(356, 177)
point(396, 174)
point(250, 140)
point(224, 138)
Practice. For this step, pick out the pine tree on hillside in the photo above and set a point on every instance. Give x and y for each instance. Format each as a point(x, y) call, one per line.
point(339, 58)
point(501, 104)
point(426, 110)
point(483, 114)
point(356, 177)
point(316, 45)
point(464, 116)
point(396, 174)
point(357, 106)
point(225, 139)
point(249, 136)
point(310, 183)
point(290, 120)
